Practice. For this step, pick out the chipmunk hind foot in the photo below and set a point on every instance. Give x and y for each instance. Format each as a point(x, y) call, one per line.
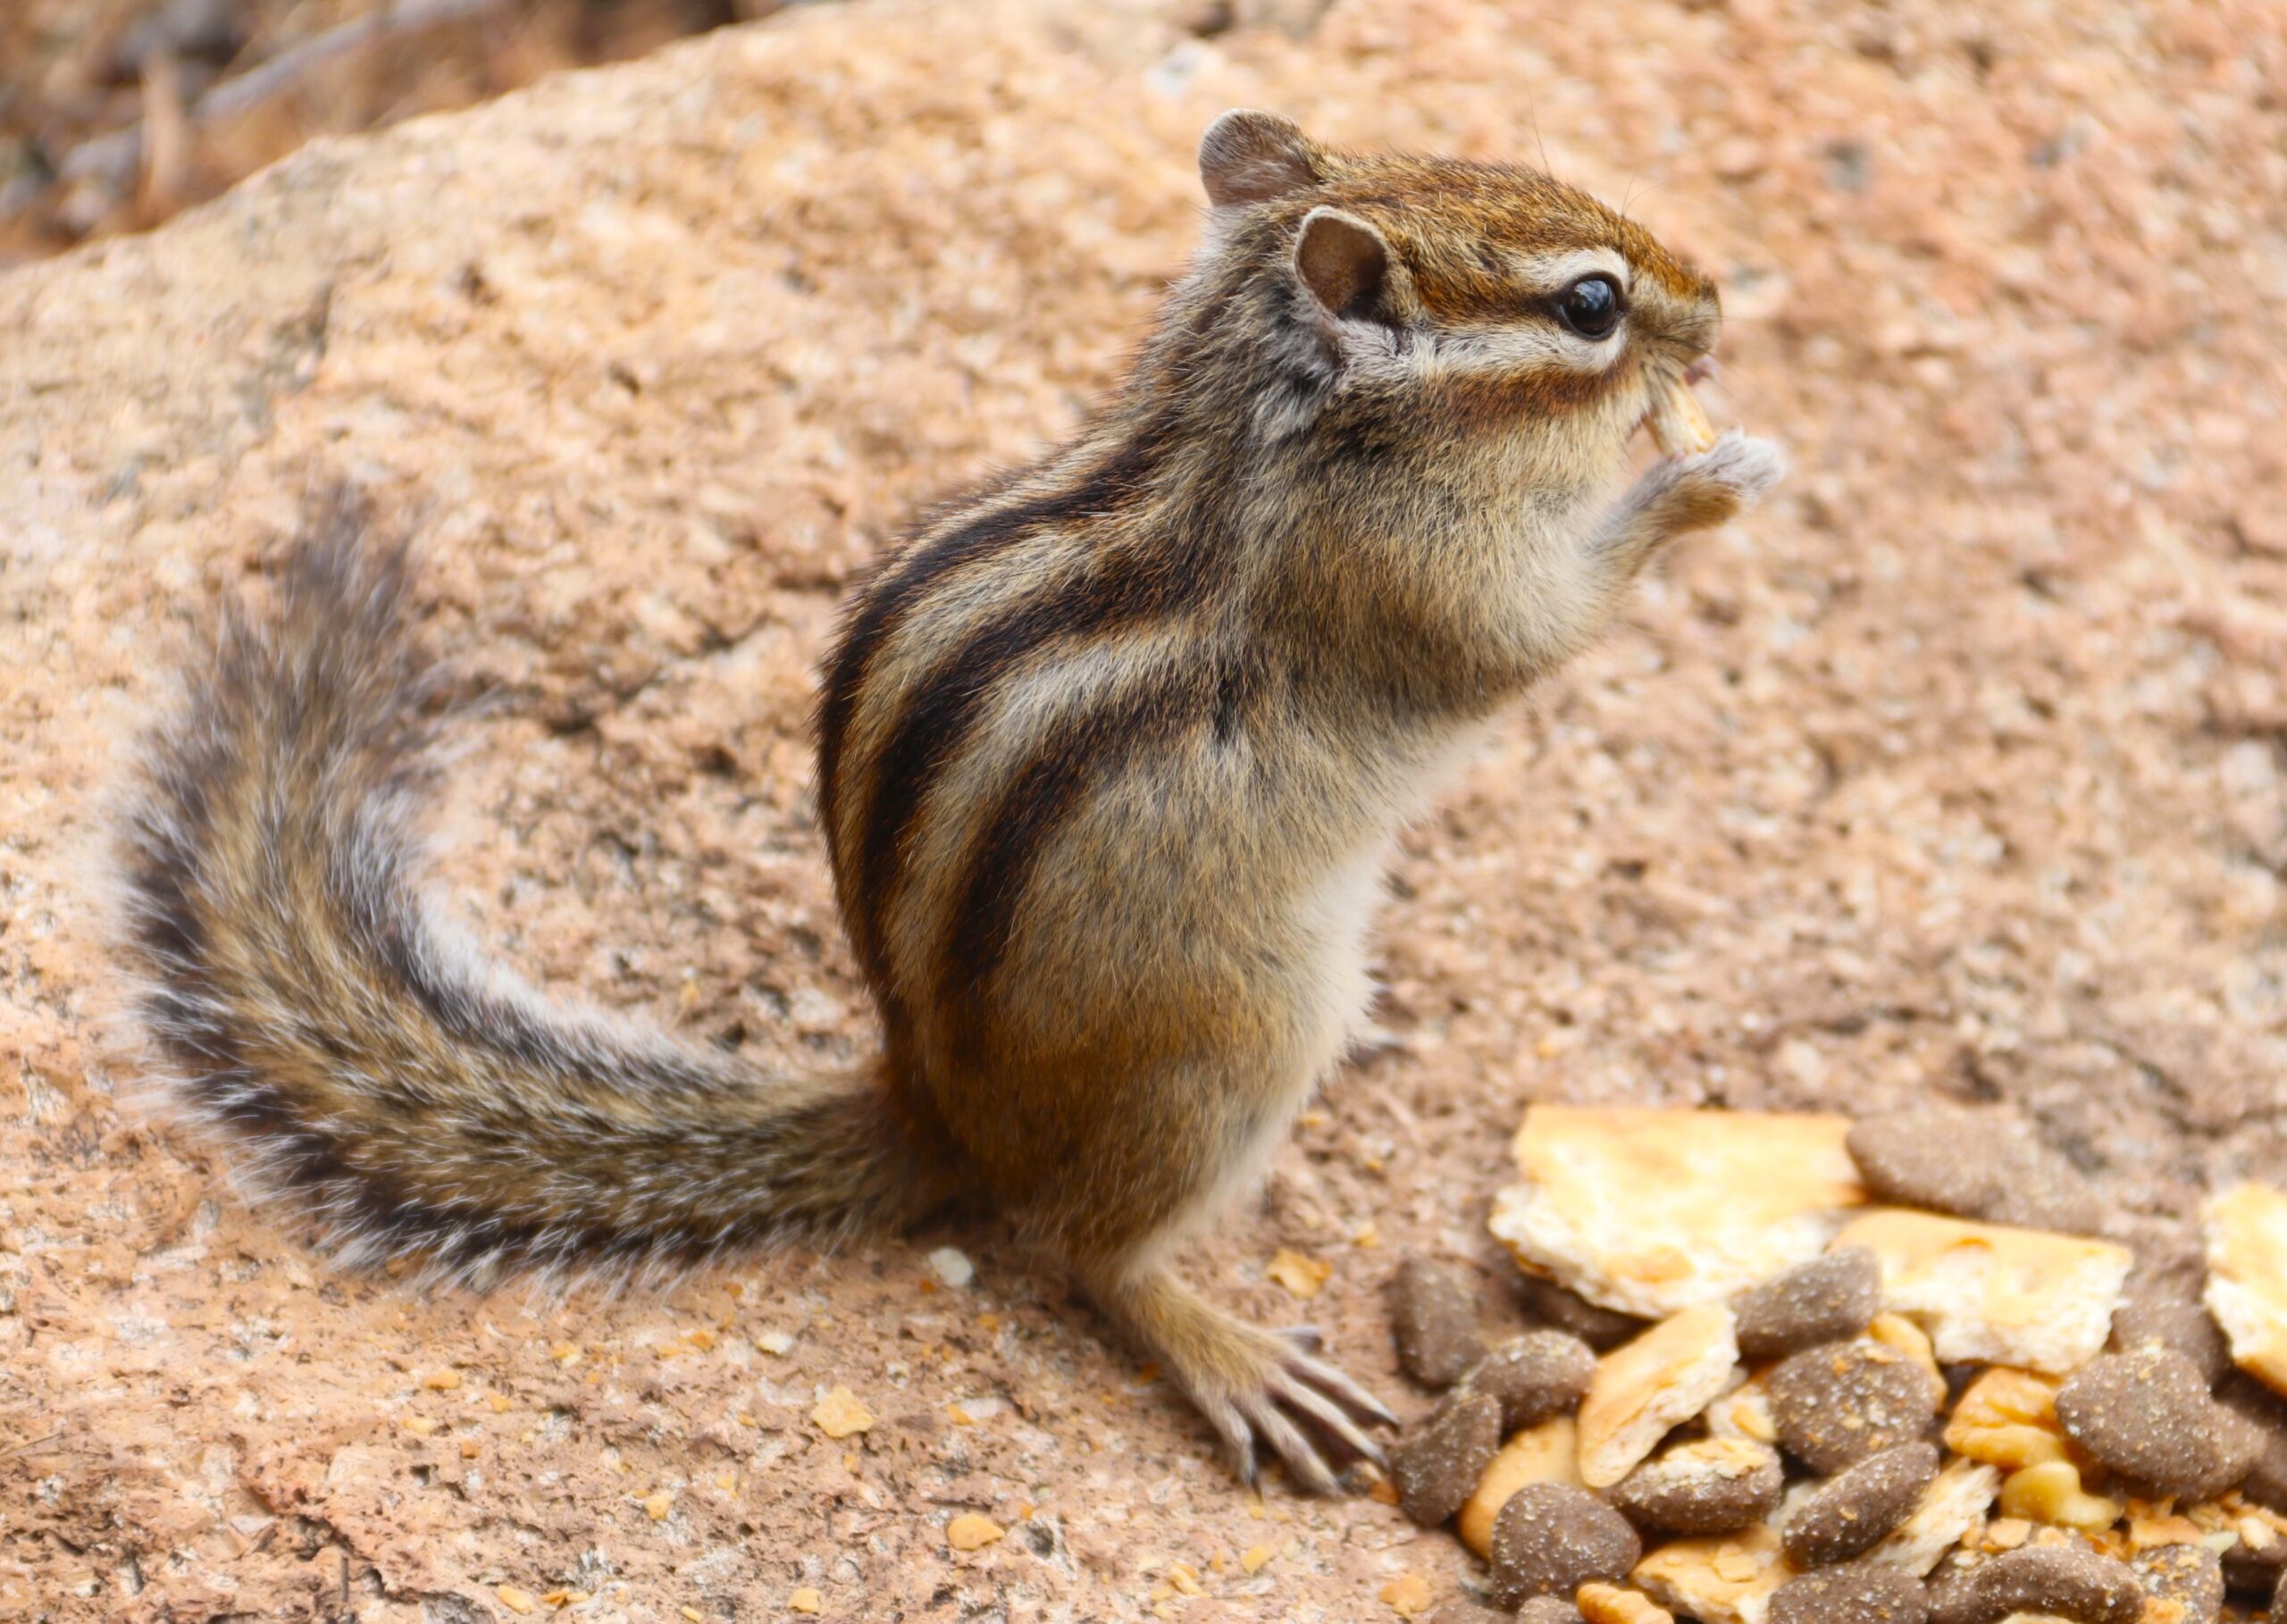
point(1256, 1388)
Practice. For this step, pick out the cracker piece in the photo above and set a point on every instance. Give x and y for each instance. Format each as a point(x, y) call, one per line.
point(1546, 1453)
point(1995, 1295)
point(1728, 1578)
point(2247, 1277)
point(1650, 1212)
point(1643, 1389)
point(1950, 1508)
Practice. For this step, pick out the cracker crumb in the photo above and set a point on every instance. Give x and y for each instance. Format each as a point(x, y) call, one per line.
point(973, 1531)
point(1254, 1557)
point(657, 1505)
point(806, 1600)
point(1407, 1596)
point(841, 1413)
point(441, 1381)
point(1302, 1276)
point(516, 1600)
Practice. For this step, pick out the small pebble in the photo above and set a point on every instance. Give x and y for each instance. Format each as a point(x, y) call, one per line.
point(1543, 1610)
point(2192, 1576)
point(1987, 1165)
point(1860, 1507)
point(1534, 1377)
point(2178, 1324)
point(1830, 1299)
point(2148, 1416)
point(1436, 1465)
point(1602, 1328)
point(1855, 1593)
point(1434, 1320)
point(1838, 1404)
point(1715, 1485)
point(2066, 1581)
point(1552, 1538)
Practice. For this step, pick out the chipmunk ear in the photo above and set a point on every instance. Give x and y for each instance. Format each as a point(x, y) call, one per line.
point(1247, 156)
point(1343, 262)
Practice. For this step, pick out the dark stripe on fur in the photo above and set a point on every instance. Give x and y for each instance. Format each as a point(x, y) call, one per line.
point(883, 607)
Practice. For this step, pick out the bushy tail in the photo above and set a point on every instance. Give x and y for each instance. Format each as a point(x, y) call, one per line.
point(405, 1095)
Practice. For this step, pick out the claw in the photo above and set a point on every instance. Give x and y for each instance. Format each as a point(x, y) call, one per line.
point(1308, 1338)
point(1318, 1407)
point(1336, 1386)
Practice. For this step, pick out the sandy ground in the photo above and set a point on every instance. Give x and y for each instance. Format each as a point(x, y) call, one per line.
point(1957, 770)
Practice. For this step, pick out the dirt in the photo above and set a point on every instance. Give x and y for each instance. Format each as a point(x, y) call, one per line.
point(1956, 771)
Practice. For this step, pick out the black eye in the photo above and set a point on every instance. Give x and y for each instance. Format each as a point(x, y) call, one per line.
point(1590, 306)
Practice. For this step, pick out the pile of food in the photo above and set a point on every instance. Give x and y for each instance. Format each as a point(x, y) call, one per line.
point(1808, 1371)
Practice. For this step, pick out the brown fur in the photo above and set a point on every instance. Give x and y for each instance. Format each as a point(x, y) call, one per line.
point(1108, 760)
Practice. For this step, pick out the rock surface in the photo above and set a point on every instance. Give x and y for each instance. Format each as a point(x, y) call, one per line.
point(1956, 770)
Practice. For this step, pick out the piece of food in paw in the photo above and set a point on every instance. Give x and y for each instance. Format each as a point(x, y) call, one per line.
point(1433, 1320)
point(1838, 1404)
point(2265, 1481)
point(1543, 1610)
point(2188, 1575)
point(2066, 1581)
point(1714, 1486)
point(1602, 1328)
point(1550, 1540)
point(1724, 1578)
point(1438, 1465)
point(1950, 1508)
point(2007, 1417)
point(1643, 1388)
point(1678, 422)
point(1853, 1593)
point(1976, 1164)
point(2052, 1492)
point(1990, 1294)
point(1826, 1300)
point(1534, 1377)
point(2182, 1325)
point(1549, 1453)
point(2148, 1416)
point(2246, 1230)
point(1862, 1506)
point(1600, 1603)
point(1651, 1212)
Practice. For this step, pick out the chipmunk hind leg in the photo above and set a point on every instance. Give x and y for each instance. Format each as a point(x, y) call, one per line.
point(1256, 1388)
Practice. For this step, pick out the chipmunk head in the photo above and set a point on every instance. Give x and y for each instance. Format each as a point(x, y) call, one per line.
point(1499, 300)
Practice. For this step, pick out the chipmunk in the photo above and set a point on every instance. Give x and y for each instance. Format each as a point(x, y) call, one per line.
point(1111, 756)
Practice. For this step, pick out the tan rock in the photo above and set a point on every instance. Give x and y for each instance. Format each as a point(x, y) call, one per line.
point(2247, 1277)
point(1653, 1211)
point(1642, 1388)
point(1986, 1293)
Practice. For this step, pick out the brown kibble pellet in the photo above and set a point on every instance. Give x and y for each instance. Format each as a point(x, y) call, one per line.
point(1715, 1485)
point(1551, 1539)
point(1546, 1610)
point(2178, 1324)
point(2192, 1576)
point(2148, 1416)
point(1534, 1377)
point(1973, 1164)
point(1602, 1328)
point(2260, 1410)
point(1437, 1464)
point(1856, 1593)
point(2062, 1581)
point(1952, 1598)
point(1860, 1507)
point(1838, 1404)
point(1828, 1299)
point(1434, 1320)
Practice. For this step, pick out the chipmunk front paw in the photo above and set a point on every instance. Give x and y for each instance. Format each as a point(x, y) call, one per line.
point(1712, 487)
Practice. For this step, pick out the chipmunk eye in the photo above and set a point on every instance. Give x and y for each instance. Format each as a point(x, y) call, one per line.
point(1590, 306)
